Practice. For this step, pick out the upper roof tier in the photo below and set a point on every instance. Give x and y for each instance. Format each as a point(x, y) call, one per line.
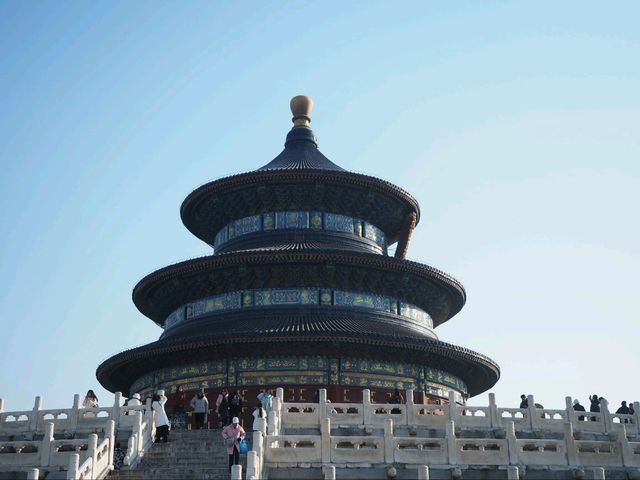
point(300, 178)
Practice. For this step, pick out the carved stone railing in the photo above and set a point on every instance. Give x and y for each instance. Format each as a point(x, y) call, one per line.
point(615, 438)
point(81, 426)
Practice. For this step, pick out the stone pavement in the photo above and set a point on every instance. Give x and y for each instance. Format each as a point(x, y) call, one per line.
point(189, 454)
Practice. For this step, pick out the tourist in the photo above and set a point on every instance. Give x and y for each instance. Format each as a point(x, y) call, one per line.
point(118, 457)
point(631, 409)
point(222, 407)
point(266, 400)
point(162, 421)
point(259, 412)
point(595, 405)
point(232, 435)
point(134, 401)
point(524, 402)
point(200, 406)
point(179, 419)
point(623, 410)
point(235, 404)
point(578, 408)
point(396, 397)
point(90, 401)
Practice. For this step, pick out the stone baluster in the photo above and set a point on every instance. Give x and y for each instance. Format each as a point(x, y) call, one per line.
point(75, 413)
point(278, 407)
point(423, 472)
point(606, 416)
point(454, 413)
point(258, 447)
point(625, 448)
point(636, 415)
point(92, 452)
point(137, 432)
point(74, 465)
point(411, 411)
point(389, 444)
point(325, 440)
point(493, 412)
point(533, 415)
point(1, 405)
point(512, 443)
point(148, 417)
point(452, 447)
point(272, 420)
point(37, 406)
point(236, 472)
point(598, 473)
point(280, 393)
point(115, 411)
point(571, 413)
point(45, 445)
point(366, 407)
point(260, 425)
point(33, 474)
point(513, 473)
point(252, 466)
point(329, 472)
point(110, 433)
point(322, 405)
point(572, 449)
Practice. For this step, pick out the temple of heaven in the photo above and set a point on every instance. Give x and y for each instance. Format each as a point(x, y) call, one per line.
point(300, 291)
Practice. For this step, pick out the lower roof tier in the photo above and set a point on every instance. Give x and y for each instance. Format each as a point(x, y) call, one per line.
point(159, 294)
point(478, 372)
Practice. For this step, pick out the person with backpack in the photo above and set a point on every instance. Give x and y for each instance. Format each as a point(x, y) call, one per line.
point(235, 405)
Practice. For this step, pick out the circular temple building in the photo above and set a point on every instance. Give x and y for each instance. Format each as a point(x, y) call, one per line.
point(300, 291)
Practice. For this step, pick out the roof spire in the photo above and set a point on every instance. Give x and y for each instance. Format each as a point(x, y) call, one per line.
point(301, 107)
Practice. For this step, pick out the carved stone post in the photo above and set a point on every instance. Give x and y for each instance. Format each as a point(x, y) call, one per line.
point(598, 473)
point(636, 415)
point(37, 406)
point(33, 473)
point(513, 473)
point(606, 416)
point(236, 472)
point(117, 400)
point(1, 405)
point(110, 432)
point(74, 465)
point(366, 406)
point(92, 451)
point(137, 430)
point(322, 405)
point(512, 443)
point(533, 415)
point(258, 447)
point(452, 447)
point(75, 413)
point(329, 472)
point(493, 412)
point(252, 465)
point(423, 472)
point(389, 445)
point(411, 411)
point(454, 414)
point(571, 413)
point(325, 440)
point(625, 448)
point(45, 445)
point(572, 449)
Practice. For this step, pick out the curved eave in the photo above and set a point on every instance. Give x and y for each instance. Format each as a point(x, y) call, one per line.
point(479, 372)
point(161, 292)
point(209, 194)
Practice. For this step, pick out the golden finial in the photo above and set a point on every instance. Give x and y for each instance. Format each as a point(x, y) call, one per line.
point(301, 107)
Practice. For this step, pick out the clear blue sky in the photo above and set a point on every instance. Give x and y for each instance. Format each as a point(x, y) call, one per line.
point(516, 125)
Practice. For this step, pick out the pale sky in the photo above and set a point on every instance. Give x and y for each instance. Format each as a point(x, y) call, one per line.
point(516, 125)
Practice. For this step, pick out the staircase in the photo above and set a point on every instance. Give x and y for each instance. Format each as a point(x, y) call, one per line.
point(189, 454)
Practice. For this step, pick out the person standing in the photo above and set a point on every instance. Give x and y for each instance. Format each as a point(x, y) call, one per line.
point(179, 419)
point(578, 408)
point(200, 406)
point(524, 402)
point(235, 405)
point(162, 421)
point(232, 435)
point(595, 405)
point(222, 407)
point(90, 401)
